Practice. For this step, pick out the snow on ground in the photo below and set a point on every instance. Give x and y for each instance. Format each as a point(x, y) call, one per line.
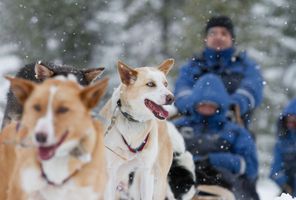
point(266, 188)
point(285, 197)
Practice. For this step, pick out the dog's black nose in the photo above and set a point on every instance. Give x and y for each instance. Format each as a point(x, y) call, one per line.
point(169, 99)
point(41, 137)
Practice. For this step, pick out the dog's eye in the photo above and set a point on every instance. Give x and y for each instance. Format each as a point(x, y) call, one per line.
point(37, 107)
point(62, 110)
point(151, 84)
point(165, 84)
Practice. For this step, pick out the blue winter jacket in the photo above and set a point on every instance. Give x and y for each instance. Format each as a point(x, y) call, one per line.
point(228, 146)
point(283, 169)
point(240, 74)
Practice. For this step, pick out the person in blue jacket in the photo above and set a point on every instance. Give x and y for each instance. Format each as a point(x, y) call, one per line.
point(224, 152)
point(240, 74)
point(283, 169)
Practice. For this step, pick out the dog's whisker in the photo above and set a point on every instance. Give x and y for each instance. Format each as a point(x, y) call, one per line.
point(9, 142)
point(27, 142)
point(15, 143)
point(25, 145)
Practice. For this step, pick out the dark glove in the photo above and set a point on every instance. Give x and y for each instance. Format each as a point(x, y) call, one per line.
point(242, 102)
point(202, 163)
point(208, 175)
point(287, 189)
point(203, 144)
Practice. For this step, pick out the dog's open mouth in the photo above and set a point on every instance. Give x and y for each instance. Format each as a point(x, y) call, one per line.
point(156, 109)
point(47, 152)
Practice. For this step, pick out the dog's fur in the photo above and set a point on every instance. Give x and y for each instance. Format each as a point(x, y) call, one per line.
point(152, 164)
point(181, 176)
point(70, 152)
point(39, 72)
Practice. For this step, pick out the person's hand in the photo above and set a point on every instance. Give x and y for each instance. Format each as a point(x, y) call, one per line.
point(241, 101)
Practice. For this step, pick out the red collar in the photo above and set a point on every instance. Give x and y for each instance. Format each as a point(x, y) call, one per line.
point(139, 148)
point(43, 175)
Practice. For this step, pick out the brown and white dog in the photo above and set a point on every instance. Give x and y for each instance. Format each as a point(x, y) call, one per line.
point(64, 158)
point(137, 138)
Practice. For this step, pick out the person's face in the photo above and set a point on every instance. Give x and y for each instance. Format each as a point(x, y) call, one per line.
point(207, 108)
point(291, 122)
point(218, 38)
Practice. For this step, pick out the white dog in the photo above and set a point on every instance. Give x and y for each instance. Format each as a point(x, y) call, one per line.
point(137, 138)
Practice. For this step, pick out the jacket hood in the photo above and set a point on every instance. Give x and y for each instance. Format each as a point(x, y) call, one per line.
point(290, 109)
point(210, 88)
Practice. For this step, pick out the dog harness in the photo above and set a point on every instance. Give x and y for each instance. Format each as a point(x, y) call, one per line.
point(113, 118)
point(139, 148)
point(130, 118)
point(125, 114)
point(43, 175)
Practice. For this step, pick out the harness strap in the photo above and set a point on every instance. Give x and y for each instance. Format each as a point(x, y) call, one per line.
point(125, 114)
point(43, 175)
point(120, 156)
point(130, 118)
point(139, 148)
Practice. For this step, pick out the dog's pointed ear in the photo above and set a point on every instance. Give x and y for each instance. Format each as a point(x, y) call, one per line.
point(91, 95)
point(166, 65)
point(93, 73)
point(42, 72)
point(21, 88)
point(127, 75)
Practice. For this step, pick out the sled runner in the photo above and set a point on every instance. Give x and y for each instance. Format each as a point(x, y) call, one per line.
point(213, 192)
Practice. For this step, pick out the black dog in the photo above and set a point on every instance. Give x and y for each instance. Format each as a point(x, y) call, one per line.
point(39, 72)
point(181, 178)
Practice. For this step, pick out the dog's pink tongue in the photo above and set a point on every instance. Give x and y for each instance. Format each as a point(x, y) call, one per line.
point(163, 113)
point(45, 153)
point(156, 109)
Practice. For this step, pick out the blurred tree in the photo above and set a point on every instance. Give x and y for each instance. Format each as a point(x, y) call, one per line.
point(275, 46)
point(51, 30)
point(199, 12)
point(150, 29)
